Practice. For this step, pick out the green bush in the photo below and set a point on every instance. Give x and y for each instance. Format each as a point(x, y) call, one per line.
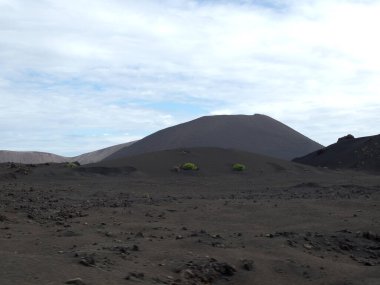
point(189, 166)
point(238, 167)
point(72, 164)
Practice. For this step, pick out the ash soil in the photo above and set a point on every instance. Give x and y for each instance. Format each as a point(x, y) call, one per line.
point(136, 221)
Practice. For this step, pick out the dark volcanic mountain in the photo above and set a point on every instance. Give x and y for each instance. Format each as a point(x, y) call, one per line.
point(361, 153)
point(257, 133)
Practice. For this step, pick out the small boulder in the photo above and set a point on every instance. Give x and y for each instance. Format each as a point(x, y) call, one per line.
point(135, 276)
point(247, 264)
point(87, 260)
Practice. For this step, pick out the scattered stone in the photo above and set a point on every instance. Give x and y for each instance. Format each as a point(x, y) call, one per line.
point(368, 263)
point(12, 165)
point(3, 218)
point(135, 276)
point(205, 271)
point(88, 260)
point(308, 246)
point(362, 247)
point(176, 169)
point(70, 234)
point(247, 264)
point(371, 236)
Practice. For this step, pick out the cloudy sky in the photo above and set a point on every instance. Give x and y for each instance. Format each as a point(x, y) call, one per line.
point(78, 75)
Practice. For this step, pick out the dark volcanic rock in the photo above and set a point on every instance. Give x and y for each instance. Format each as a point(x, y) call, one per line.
point(205, 271)
point(348, 137)
point(361, 247)
point(135, 276)
point(3, 218)
point(350, 153)
point(371, 236)
point(88, 260)
point(247, 264)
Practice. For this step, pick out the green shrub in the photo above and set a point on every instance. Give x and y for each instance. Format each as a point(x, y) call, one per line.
point(238, 167)
point(189, 166)
point(72, 164)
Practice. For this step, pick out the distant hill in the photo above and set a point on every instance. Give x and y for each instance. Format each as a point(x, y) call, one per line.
point(256, 133)
point(35, 157)
point(98, 155)
point(360, 153)
point(30, 157)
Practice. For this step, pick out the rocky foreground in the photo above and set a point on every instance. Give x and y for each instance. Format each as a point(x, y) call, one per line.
point(280, 226)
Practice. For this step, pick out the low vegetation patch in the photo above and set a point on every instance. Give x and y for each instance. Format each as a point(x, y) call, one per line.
point(238, 167)
point(189, 166)
point(74, 164)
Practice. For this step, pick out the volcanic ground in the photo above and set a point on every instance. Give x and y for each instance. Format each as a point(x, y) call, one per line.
point(143, 220)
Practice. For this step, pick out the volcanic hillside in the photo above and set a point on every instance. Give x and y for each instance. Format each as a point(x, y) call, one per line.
point(210, 161)
point(98, 155)
point(360, 153)
point(29, 157)
point(257, 133)
point(34, 157)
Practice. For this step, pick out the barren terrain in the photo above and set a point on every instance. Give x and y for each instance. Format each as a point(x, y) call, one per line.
point(141, 221)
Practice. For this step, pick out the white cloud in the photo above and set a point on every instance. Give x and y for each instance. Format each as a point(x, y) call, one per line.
point(78, 69)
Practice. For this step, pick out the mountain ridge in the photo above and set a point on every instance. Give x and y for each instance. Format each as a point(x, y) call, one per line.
point(38, 157)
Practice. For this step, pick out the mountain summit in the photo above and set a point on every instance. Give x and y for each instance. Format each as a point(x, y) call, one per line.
point(254, 133)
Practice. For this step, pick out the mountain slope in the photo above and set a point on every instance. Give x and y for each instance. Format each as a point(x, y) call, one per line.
point(29, 157)
point(98, 155)
point(210, 160)
point(35, 157)
point(257, 133)
point(360, 153)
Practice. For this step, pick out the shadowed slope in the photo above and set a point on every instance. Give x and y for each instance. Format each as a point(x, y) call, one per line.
point(257, 133)
point(211, 161)
point(361, 153)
